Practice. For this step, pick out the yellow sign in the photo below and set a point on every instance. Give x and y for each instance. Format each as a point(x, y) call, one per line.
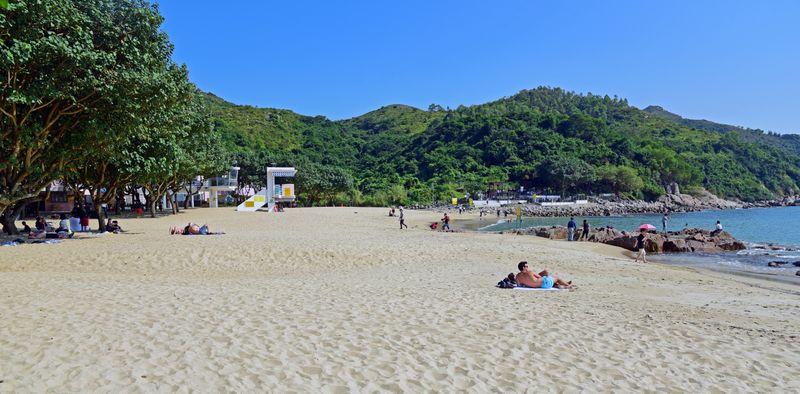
point(455, 201)
point(470, 202)
point(259, 198)
point(519, 212)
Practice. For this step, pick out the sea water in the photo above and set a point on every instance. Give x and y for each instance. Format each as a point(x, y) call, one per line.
point(757, 227)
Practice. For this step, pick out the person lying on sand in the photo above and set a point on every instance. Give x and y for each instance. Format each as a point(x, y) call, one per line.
point(46, 235)
point(542, 280)
point(192, 229)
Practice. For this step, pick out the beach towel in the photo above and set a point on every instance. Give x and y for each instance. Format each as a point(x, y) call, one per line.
point(538, 289)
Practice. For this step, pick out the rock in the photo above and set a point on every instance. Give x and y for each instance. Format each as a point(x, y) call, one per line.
point(777, 263)
point(686, 240)
point(797, 273)
point(796, 264)
point(674, 246)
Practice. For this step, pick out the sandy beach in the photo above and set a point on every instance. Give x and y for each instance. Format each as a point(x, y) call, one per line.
point(341, 300)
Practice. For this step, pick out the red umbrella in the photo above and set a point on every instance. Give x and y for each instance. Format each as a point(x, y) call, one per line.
point(647, 227)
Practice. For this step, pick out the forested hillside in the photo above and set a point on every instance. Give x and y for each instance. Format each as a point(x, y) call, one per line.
point(543, 138)
point(790, 142)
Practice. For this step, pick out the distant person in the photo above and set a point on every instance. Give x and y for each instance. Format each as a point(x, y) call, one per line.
point(527, 278)
point(40, 224)
point(403, 223)
point(718, 229)
point(446, 222)
point(113, 226)
point(25, 228)
point(194, 229)
point(664, 222)
point(434, 225)
point(84, 215)
point(138, 209)
point(640, 242)
point(585, 233)
point(391, 212)
point(63, 229)
point(571, 226)
point(75, 210)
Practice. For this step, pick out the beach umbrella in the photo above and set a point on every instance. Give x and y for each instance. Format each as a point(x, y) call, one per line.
point(647, 227)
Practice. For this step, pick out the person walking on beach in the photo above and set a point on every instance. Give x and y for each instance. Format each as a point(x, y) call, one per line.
point(402, 219)
point(445, 222)
point(664, 221)
point(640, 241)
point(571, 229)
point(585, 233)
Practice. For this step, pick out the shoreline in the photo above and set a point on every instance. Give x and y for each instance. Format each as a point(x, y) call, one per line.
point(472, 224)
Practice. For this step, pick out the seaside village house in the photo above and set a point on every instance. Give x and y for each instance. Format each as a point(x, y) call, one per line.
point(209, 192)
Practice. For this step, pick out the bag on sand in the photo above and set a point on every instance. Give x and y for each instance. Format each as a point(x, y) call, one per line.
point(507, 282)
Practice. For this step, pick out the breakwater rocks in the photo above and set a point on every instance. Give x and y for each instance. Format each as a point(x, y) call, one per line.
point(686, 240)
point(668, 203)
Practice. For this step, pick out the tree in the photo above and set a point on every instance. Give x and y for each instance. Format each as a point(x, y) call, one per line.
point(619, 179)
point(567, 172)
point(317, 183)
point(66, 64)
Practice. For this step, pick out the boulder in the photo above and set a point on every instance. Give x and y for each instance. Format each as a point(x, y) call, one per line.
point(675, 246)
point(686, 240)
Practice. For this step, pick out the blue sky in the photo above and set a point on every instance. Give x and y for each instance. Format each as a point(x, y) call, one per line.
point(735, 62)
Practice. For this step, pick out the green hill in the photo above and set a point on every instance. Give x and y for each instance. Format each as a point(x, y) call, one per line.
point(790, 142)
point(543, 138)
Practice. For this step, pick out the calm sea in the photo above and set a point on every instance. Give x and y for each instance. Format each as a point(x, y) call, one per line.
point(757, 226)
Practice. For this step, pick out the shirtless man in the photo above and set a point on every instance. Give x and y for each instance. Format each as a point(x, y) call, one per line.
point(543, 279)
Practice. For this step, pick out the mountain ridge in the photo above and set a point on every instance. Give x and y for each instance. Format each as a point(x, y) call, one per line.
point(544, 138)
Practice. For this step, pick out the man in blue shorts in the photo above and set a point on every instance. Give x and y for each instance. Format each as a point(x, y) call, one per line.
point(544, 280)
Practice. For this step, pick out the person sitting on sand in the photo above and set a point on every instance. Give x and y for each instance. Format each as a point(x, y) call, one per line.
point(63, 225)
point(40, 224)
point(544, 280)
point(25, 228)
point(113, 226)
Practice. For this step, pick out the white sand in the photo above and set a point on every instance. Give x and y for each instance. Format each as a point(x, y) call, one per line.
point(335, 301)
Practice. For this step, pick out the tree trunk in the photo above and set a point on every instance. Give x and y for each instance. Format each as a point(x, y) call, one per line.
point(7, 218)
point(101, 216)
point(12, 212)
point(151, 204)
point(174, 200)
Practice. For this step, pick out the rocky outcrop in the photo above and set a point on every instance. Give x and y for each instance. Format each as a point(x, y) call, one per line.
point(686, 240)
point(699, 201)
